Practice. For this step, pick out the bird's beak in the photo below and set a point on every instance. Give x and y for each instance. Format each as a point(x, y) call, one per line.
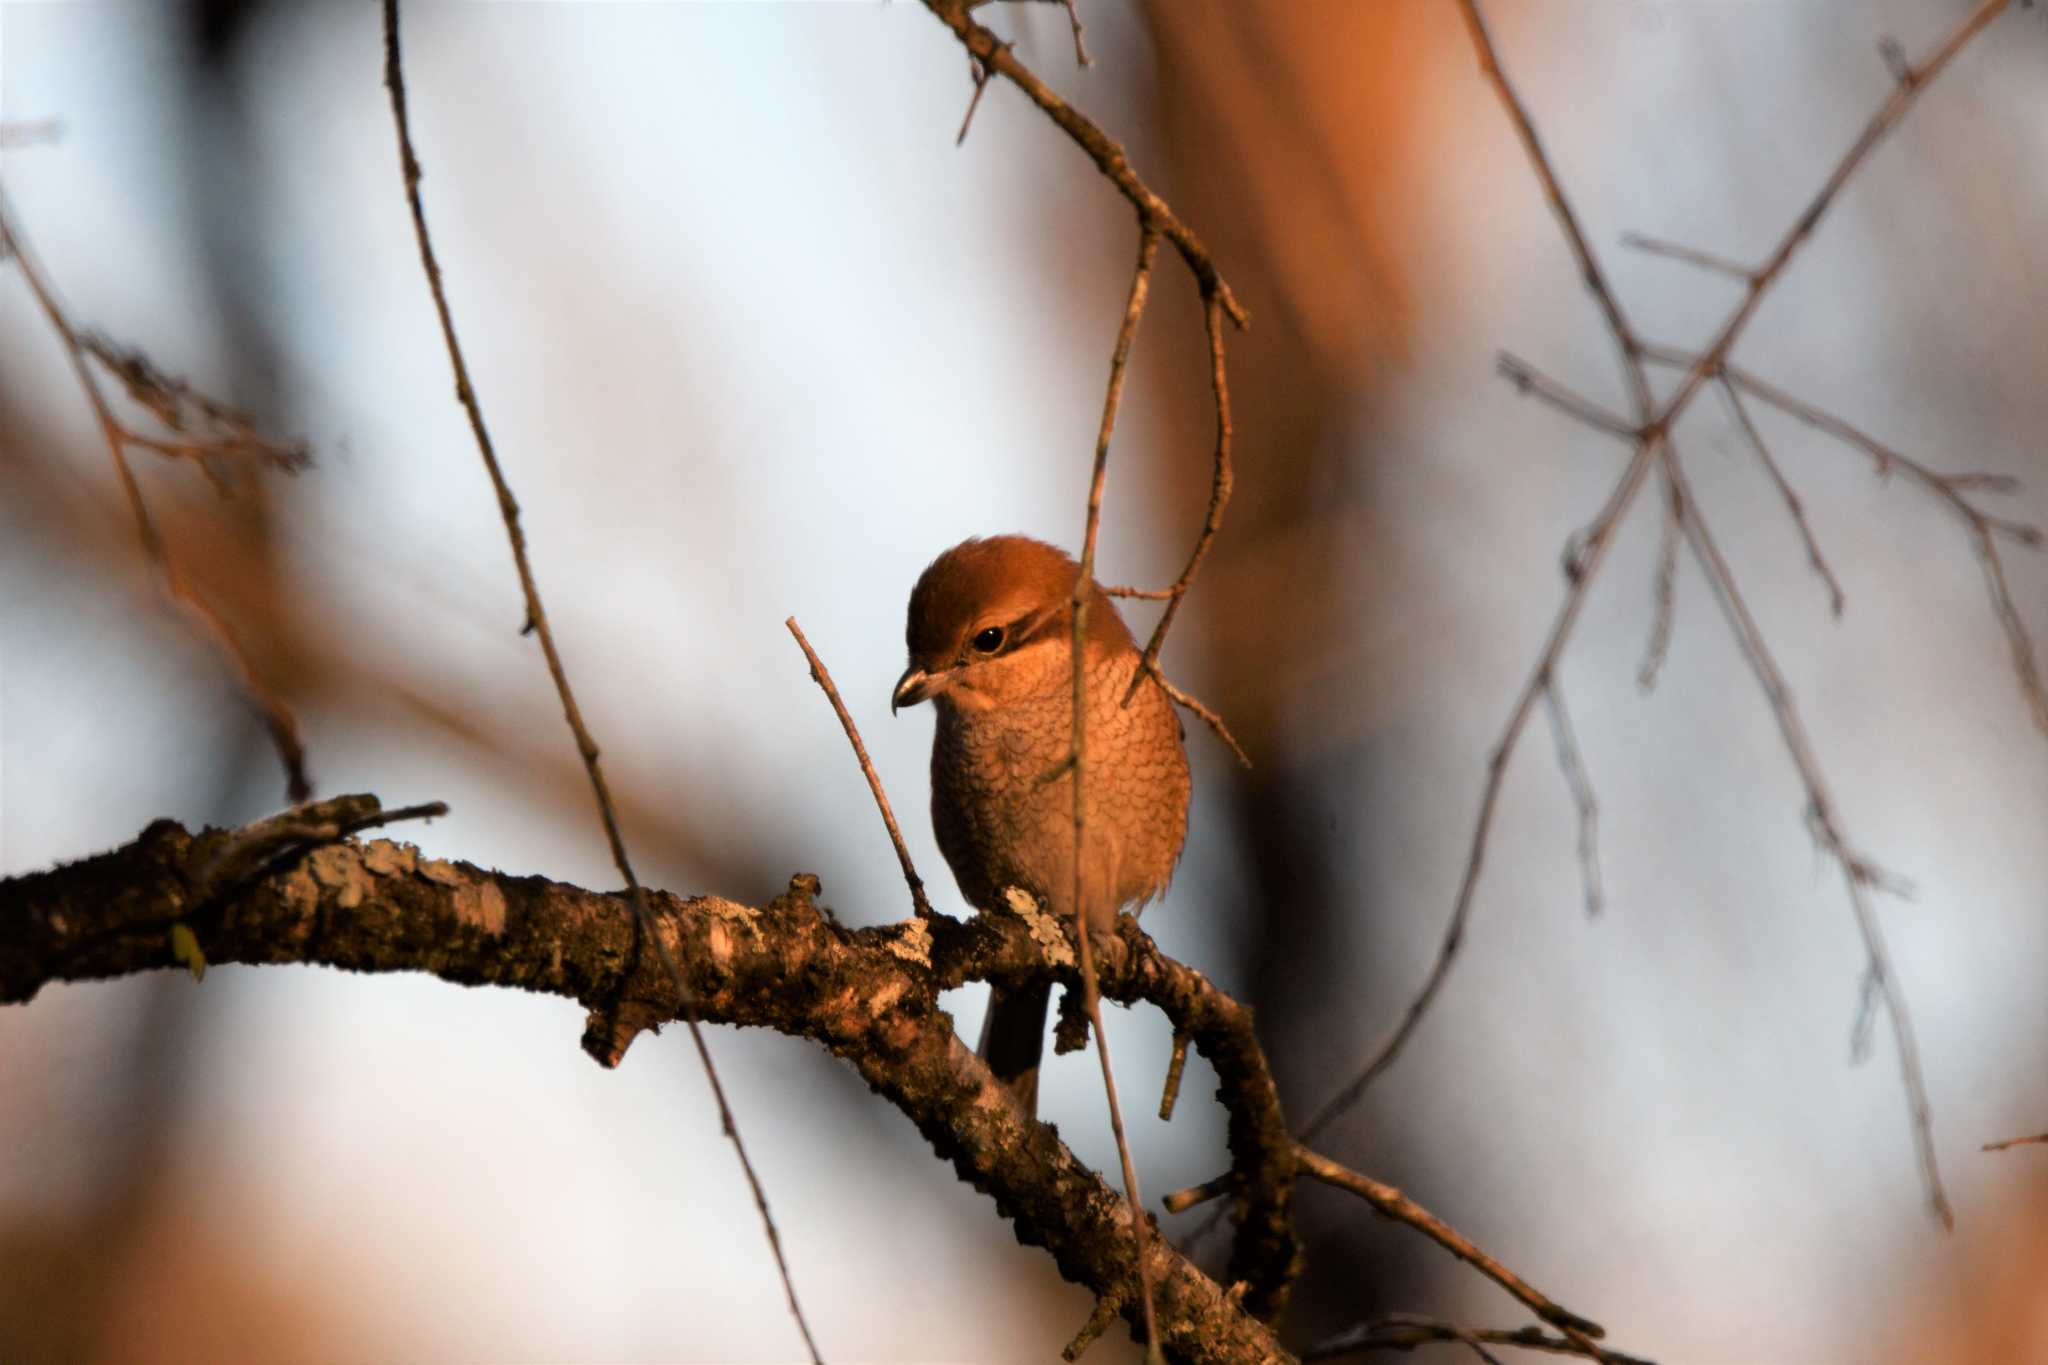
point(913, 687)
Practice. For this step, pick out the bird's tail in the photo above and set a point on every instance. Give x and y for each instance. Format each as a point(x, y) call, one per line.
point(1013, 1038)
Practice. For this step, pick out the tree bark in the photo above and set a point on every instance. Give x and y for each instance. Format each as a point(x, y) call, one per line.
point(288, 891)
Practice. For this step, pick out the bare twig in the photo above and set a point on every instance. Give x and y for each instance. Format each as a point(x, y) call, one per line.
point(254, 849)
point(1590, 552)
point(1912, 82)
point(823, 677)
point(227, 435)
point(1107, 154)
point(1080, 43)
point(1219, 496)
point(1593, 552)
point(1081, 57)
point(2010, 1143)
point(1868, 995)
point(1391, 1203)
point(1099, 1318)
point(1826, 822)
point(1657, 246)
point(977, 73)
point(1169, 1093)
point(1592, 544)
point(1528, 380)
point(1157, 218)
point(1894, 55)
point(1120, 356)
point(208, 622)
point(1664, 591)
point(1403, 1332)
point(537, 621)
point(1573, 764)
point(1985, 529)
point(1582, 251)
point(1406, 1331)
point(1836, 600)
point(1194, 1196)
point(1207, 716)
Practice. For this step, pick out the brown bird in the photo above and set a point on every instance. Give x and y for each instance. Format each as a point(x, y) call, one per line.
point(991, 645)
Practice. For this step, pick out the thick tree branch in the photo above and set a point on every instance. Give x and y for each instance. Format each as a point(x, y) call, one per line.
point(867, 995)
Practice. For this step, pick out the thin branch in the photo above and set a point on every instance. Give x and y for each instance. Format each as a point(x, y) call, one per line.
point(1894, 56)
point(1219, 495)
point(1402, 1332)
point(1553, 191)
point(1081, 56)
point(1885, 459)
point(1657, 246)
point(1985, 529)
point(1881, 123)
point(253, 851)
point(921, 907)
point(1869, 990)
point(1107, 154)
point(230, 435)
point(1207, 716)
point(1573, 764)
point(1827, 824)
point(1580, 1333)
point(1529, 381)
point(282, 725)
point(1194, 1196)
point(1155, 217)
point(1169, 1093)
point(2010, 1143)
point(1406, 1331)
point(977, 73)
point(1836, 599)
point(1663, 591)
point(1590, 553)
point(537, 621)
point(1091, 1001)
point(1391, 1203)
point(1592, 546)
point(1099, 1318)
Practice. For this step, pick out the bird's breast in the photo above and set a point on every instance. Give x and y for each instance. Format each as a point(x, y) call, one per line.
point(1001, 823)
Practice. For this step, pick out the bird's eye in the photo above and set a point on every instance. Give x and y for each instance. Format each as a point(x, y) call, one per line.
point(990, 640)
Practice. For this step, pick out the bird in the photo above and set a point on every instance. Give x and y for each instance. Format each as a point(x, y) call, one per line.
point(990, 637)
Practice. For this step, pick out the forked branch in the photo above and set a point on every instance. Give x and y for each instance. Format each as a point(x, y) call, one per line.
point(226, 437)
point(1156, 218)
point(1589, 549)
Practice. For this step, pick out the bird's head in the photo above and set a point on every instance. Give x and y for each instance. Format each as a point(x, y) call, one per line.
point(991, 622)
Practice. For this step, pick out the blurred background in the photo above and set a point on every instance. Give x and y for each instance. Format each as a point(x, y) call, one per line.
point(755, 339)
